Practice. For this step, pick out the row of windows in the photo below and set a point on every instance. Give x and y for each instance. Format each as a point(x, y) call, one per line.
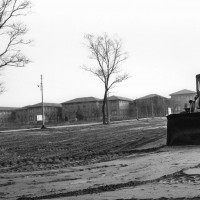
point(34, 117)
point(4, 120)
point(85, 106)
point(183, 98)
point(121, 112)
point(4, 113)
point(34, 110)
point(177, 108)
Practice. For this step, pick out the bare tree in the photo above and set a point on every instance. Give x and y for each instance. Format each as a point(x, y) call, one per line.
point(12, 32)
point(109, 56)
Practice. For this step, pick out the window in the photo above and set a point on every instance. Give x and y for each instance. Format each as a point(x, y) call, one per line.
point(114, 112)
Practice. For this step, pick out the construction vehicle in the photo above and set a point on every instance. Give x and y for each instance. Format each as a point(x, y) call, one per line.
point(184, 128)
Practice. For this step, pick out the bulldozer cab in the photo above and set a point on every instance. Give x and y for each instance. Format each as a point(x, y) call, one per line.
point(184, 128)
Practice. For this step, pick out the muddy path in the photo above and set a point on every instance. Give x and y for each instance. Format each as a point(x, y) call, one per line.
point(127, 160)
point(167, 173)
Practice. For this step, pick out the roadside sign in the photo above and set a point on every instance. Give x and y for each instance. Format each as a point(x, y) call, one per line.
point(39, 117)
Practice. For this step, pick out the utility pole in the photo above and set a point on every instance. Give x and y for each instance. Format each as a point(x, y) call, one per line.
point(43, 118)
point(147, 110)
point(136, 109)
point(164, 107)
point(152, 111)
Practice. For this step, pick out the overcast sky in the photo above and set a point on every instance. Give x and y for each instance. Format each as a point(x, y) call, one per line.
point(162, 39)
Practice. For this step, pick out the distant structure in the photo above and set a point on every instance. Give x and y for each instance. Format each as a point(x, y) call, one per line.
point(90, 109)
point(85, 108)
point(152, 105)
point(119, 107)
point(7, 115)
point(32, 114)
point(180, 100)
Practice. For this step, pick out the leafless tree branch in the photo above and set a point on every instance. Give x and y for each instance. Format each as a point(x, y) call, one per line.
point(109, 56)
point(12, 33)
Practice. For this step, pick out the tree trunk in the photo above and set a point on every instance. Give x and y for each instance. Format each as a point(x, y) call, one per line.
point(103, 108)
point(107, 110)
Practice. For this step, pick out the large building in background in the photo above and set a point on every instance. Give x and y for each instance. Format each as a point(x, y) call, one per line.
point(84, 108)
point(32, 114)
point(90, 108)
point(7, 115)
point(119, 107)
point(152, 105)
point(180, 100)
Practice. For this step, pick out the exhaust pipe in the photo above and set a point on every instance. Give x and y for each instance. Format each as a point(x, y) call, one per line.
point(198, 90)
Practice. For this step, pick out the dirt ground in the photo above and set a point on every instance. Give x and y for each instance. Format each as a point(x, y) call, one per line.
point(126, 160)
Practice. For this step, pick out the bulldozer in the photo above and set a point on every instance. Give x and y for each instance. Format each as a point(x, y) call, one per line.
point(184, 128)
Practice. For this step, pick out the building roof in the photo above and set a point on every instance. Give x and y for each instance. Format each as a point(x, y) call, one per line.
point(112, 98)
point(81, 100)
point(45, 105)
point(7, 108)
point(184, 91)
point(151, 96)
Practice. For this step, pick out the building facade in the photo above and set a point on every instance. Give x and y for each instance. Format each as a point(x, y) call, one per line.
point(90, 108)
point(119, 107)
point(152, 105)
point(180, 100)
point(7, 115)
point(85, 108)
point(32, 114)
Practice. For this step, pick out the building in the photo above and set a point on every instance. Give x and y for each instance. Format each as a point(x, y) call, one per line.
point(180, 100)
point(152, 105)
point(90, 108)
point(7, 115)
point(119, 107)
point(85, 108)
point(32, 114)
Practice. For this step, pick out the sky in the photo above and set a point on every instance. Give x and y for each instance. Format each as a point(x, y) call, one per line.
point(162, 39)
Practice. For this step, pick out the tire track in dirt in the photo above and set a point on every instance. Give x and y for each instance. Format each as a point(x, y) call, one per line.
point(59, 148)
point(112, 187)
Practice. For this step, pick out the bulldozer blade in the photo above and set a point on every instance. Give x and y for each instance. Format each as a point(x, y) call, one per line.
point(183, 129)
